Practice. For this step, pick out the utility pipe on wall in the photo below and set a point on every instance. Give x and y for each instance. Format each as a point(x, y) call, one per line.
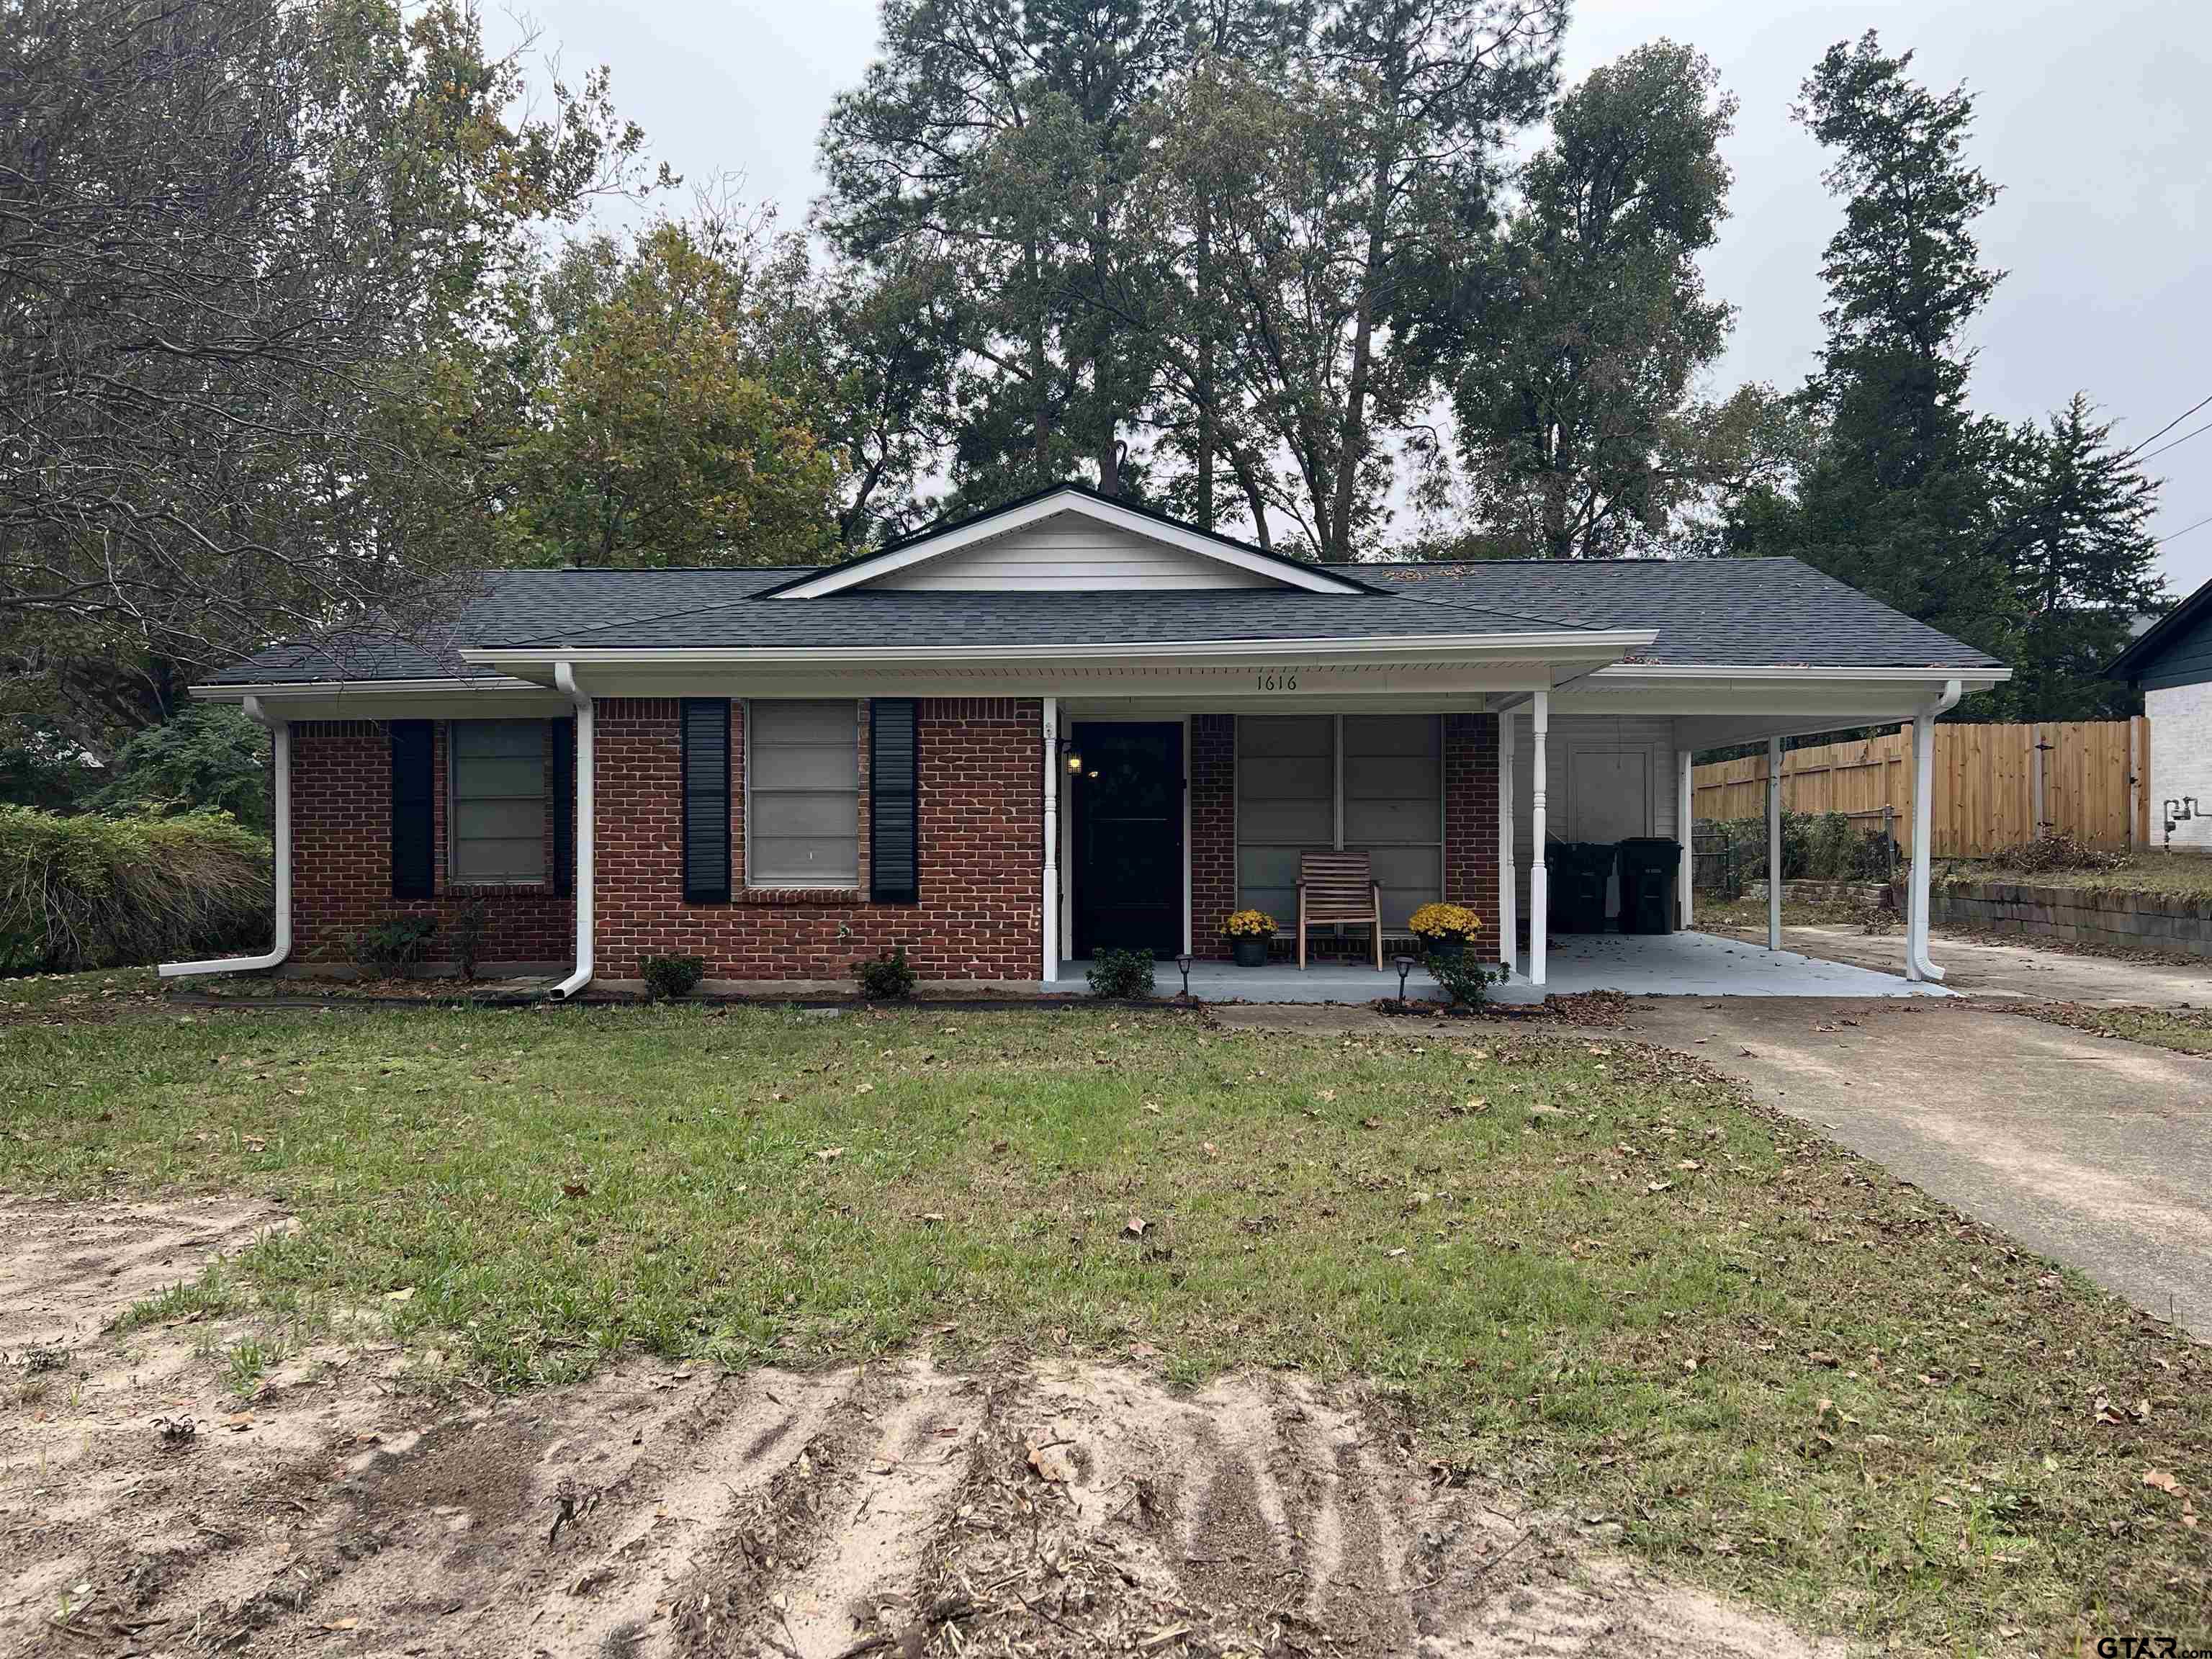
point(564, 677)
point(280, 742)
point(1917, 964)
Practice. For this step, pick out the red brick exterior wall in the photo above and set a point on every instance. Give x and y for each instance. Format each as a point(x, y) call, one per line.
point(1213, 831)
point(1470, 823)
point(342, 856)
point(981, 833)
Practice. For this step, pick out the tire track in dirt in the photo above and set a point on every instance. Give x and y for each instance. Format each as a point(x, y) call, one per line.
point(1045, 1508)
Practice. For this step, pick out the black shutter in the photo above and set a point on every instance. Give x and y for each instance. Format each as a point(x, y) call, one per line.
point(894, 785)
point(562, 776)
point(706, 801)
point(414, 809)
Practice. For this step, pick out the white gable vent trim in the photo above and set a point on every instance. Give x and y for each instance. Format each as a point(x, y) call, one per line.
point(989, 527)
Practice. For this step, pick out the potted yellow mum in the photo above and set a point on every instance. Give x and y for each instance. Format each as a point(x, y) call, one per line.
point(1249, 932)
point(1444, 929)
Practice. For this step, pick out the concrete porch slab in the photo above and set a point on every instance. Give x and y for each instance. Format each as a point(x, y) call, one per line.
point(1664, 964)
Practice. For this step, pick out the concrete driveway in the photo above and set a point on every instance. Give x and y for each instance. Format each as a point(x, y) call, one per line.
point(2095, 1151)
point(2007, 972)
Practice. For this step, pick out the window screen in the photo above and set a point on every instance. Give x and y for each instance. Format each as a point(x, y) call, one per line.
point(498, 833)
point(1394, 807)
point(802, 794)
point(1285, 804)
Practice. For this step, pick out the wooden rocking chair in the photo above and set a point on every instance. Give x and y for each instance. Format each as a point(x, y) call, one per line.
point(1338, 887)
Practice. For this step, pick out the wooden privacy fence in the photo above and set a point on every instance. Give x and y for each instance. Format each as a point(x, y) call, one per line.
point(1995, 786)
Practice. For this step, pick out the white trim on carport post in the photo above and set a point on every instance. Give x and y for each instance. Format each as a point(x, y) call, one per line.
point(1539, 894)
point(1048, 896)
point(1917, 964)
point(1686, 801)
point(1507, 899)
point(1774, 843)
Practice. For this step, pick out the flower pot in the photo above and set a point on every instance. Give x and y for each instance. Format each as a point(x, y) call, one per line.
point(1249, 949)
point(1444, 949)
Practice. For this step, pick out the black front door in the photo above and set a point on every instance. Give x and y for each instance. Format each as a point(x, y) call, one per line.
point(1128, 803)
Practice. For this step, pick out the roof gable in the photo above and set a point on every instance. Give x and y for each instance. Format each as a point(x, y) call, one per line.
point(2176, 650)
point(1068, 539)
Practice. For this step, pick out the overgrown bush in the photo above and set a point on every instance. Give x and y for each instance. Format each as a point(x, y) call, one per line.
point(888, 978)
point(209, 755)
point(672, 977)
point(108, 892)
point(394, 948)
point(1815, 846)
point(1121, 974)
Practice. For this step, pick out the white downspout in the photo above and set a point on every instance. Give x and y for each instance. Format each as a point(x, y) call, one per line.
point(1509, 900)
point(1774, 843)
point(564, 678)
point(280, 741)
point(1539, 879)
point(1049, 897)
point(1917, 964)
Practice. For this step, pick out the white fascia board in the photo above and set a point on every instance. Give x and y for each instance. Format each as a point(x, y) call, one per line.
point(1579, 646)
point(1974, 677)
point(1312, 578)
point(492, 696)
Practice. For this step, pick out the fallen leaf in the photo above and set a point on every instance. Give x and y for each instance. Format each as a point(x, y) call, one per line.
point(1136, 1226)
point(1053, 1461)
point(865, 1088)
point(831, 1154)
point(343, 1624)
point(2164, 1481)
point(576, 1189)
point(404, 1295)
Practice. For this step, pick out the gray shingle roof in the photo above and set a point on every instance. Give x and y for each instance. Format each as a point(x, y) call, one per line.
point(1762, 612)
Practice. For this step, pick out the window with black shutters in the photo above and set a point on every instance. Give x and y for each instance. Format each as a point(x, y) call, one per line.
point(706, 799)
point(894, 854)
point(498, 803)
point(802, 793)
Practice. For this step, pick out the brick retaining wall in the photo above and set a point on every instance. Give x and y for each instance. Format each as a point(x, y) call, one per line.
point(2139, 921)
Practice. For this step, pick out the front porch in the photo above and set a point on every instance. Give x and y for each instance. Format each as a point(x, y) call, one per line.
point(1660, 964)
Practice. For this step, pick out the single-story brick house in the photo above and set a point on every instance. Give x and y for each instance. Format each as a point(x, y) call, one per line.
point(1065, 723)
point(2171, 664)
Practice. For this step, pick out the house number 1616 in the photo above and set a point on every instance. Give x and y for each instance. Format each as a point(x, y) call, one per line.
point(1278, 681)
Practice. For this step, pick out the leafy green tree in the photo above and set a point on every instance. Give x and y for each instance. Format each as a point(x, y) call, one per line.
point(209, 755)
point(664, 396)
point(1573, 405)
point(2074, 537)
point(1900, 499)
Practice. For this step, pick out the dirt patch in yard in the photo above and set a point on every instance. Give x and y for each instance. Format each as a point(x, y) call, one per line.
point(1032, 1507)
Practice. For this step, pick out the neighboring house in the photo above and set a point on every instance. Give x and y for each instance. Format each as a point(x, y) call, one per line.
point(1060, 726)
point(2171, 664)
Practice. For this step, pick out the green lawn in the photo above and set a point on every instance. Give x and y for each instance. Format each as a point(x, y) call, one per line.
point(1589, 1269)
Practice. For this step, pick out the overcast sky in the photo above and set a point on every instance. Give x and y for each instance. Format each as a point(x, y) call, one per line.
point(2082, 116)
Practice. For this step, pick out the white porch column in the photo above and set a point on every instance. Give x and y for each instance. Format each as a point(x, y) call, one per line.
point(1774, 843)
point(1540, 892)
point(1685, 802)
point(1917, 964)
point(1509, 900)
point(1049, 898)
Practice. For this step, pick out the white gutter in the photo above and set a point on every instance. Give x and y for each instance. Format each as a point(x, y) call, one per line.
point(1602, 644)
point(1810, 671)
point(1917, 964)
point(280, 738)
point(564, 677)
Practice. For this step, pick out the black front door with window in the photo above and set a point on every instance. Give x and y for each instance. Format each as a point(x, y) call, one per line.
point(1128, 807)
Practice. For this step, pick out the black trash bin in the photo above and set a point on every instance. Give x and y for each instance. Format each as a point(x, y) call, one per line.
point(1649, 869)
point(1579, 872)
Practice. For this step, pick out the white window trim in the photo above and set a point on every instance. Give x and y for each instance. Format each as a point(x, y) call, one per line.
point(453, 878)
point(859, 883)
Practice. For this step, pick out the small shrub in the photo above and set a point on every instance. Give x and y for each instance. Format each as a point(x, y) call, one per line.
point(469, 927)
point(888, 978)
point(1464, 980)
point(395, 947)
point(1121, 974)
point(109, 892)
point(672, 977)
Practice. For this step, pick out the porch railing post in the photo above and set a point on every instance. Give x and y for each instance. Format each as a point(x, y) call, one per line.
point(1509, 900)
point(1049, 897)
point(1540, 892)
point(1774, 843)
